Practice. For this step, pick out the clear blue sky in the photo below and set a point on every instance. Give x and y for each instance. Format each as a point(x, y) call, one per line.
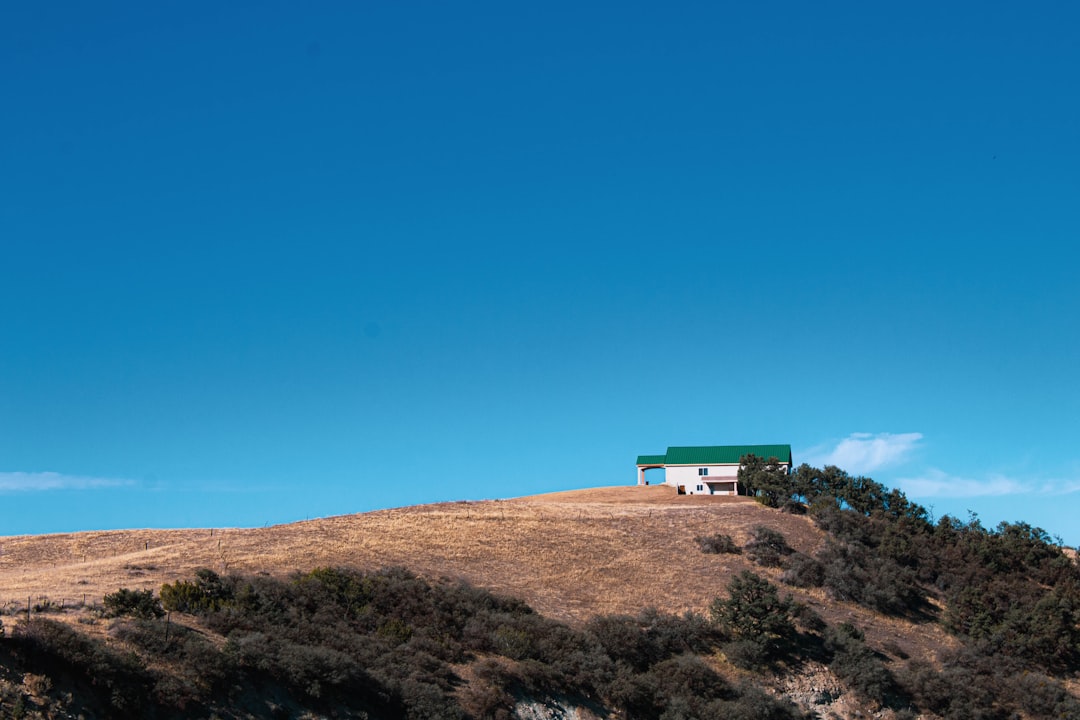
point(268, 261)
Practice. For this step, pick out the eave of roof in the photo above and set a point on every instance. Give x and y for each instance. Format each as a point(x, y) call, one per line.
point(651, 459)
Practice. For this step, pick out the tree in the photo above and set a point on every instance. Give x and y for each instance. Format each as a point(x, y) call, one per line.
point(817, 486)
point(754, 611)
point(765, 479)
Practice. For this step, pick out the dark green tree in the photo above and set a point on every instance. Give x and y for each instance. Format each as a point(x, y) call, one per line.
point(765, 479)
point(817, 486)
point(754, 611)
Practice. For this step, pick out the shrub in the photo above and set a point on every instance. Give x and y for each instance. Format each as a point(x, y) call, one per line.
point(717, 544)
point(305, 668)
point(684, 687)
point(208, 592)
point(754, 611)
point(807, 618)
point(677, 634)
point(688, 676)
point(767, 547)
point(856, 665)
point(853, 572)
point(803, 571)
point(118, 680)
point(624, 641)
point(489, 698)
point(746, 654)
point(754, 703)
point(136, 603)
point(632, 693)
point(1041, 696)
point(966, 687)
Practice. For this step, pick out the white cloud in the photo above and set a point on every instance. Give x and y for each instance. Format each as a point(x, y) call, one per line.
point(863, 453)
point(937, 483)
point(33, 481)
point(1064, 487)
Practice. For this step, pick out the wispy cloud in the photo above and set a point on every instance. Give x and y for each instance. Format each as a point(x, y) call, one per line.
point(36, 481)
point(1068, 487)
point(937, 483)
point(861, 453)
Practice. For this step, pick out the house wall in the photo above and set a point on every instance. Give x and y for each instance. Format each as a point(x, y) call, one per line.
point(687, 476)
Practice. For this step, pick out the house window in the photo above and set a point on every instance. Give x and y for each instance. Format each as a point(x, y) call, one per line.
point(703, 471)
point(700, 488)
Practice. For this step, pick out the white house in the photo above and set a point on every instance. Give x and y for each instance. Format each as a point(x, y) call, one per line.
point(709, 470)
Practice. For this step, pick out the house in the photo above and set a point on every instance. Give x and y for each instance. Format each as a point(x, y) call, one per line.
point(710, 470)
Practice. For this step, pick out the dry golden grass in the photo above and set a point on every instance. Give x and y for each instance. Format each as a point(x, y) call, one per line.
point(570, 555)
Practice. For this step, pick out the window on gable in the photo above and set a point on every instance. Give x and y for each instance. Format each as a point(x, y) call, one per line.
point(703, 471)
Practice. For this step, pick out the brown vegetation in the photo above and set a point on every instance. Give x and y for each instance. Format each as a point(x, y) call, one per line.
point(571, 555)
point(865, 594)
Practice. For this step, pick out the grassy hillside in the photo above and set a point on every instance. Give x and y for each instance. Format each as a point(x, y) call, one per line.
point(572, 557)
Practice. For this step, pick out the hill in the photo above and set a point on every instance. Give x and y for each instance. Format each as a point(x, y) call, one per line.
point(571, 554)
point(572, 557)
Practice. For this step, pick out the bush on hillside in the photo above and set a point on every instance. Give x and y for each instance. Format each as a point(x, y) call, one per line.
point(117, 679)
point(208, 592)
point(677, 634)
point(717, 544)
point(622, 639)
point(748, 653)
point(856, 665)
point(134, 603)
point(767, 547)
point(856, 574)
point(803, 571)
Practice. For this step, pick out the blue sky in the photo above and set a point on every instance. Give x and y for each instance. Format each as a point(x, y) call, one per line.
point(267, 261)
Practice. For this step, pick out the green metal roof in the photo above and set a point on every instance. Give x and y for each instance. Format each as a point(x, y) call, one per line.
point(651, 459)
point(723, 454)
